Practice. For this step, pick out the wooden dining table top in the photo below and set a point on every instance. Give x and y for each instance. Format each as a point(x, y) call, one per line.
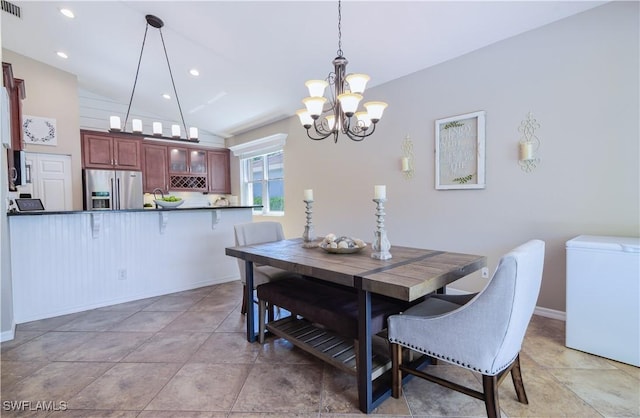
point(408, 275)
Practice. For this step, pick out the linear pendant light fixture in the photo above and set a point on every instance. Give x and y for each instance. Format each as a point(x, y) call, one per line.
point(136, 124)
point(332, 116)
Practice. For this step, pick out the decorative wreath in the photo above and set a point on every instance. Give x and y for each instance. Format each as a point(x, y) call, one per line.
point(51, 135)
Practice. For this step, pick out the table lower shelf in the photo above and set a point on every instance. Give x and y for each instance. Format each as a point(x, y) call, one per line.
point(330, 347)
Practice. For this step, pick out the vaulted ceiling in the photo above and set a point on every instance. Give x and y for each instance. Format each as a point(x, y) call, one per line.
point(254, 56)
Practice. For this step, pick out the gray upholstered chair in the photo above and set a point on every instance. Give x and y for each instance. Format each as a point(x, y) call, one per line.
point(483, 335)
point(258, 233)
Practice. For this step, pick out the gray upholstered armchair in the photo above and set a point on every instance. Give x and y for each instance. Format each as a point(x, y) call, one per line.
point(484, 334)
point(258, 233)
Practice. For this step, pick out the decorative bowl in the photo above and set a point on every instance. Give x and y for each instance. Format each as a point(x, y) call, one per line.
point(350, 250)
point(165, 204)
point(341, 245)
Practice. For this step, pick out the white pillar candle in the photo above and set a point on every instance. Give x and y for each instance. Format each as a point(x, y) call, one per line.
point(136, 125)
point(175, 131)
point(405, 164)
point(157, 128)
point(114, 123)
point(308, 194)
point(380, 192)
point(526, 151)
point(193, 133)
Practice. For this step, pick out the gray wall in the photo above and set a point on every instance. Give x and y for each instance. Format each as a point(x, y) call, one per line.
point(579, 78)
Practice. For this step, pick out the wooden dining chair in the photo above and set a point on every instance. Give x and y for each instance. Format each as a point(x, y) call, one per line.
point(483, 335)
point(257, 233)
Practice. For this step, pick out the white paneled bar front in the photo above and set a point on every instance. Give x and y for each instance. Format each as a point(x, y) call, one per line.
point(60, 264)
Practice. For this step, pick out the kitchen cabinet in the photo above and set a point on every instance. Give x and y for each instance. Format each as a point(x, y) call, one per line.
point(16, 94)
point(110, 152)
point(155, 168)
point(188, 169)
point(218, 165)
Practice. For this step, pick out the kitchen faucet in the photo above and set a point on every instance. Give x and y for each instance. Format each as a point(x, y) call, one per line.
point(156, 197)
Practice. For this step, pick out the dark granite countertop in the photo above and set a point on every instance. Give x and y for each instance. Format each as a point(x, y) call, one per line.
point(178, 209)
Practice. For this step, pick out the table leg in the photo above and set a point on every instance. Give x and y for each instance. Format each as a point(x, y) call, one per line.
point(251, 332)
point(365, 385)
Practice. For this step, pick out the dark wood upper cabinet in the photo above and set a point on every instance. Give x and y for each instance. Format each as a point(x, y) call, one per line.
point(109, 152)
point(155, 168)
point(218, 162)
point(164, 166)
point(17, 93)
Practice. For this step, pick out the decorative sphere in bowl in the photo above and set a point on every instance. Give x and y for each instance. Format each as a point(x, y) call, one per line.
point(168, 203)
point(341, 245)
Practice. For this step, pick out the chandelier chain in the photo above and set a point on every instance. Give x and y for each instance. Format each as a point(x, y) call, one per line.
point(339, 29)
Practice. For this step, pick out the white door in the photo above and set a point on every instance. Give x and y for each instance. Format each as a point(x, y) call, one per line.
point(50, 178)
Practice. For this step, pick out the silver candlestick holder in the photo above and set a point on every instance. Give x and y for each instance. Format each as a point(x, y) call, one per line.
point(381, 244)
point(308, 235)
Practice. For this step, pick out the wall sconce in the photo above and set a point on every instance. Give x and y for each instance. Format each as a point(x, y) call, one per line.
point(529, 144)
point(407, 159)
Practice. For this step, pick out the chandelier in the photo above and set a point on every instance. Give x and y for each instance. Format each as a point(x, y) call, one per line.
point(136, 124)
point(339, 112)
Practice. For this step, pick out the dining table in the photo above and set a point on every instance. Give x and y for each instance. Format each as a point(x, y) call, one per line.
point(410, 274)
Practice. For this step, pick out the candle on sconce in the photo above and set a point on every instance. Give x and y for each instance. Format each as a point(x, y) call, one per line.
point(157, 128)
point(405, 164)
point(114, 123)
point(193, 133)
point(308, 194)
point(526, 151)
point(380, 192)
point(136, 125)
point(175, 131)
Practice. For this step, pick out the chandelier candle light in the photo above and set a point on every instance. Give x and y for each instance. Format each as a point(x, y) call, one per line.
point(381, 244)
point(308, 236)
point(334, 115)
point(136, 124)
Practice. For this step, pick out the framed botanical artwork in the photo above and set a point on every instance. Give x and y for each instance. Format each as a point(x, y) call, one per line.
point(460, 152)
point(41, 131)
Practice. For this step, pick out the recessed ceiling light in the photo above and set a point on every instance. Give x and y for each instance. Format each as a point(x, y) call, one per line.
point(166, 96)
point(62, 55)
point(68, 13)
point(194, 72)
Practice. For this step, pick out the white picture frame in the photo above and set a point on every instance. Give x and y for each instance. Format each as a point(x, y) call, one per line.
point(460, 152)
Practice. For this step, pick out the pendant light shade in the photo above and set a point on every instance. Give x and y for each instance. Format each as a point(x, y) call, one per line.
point(357, 82)
point(316, 87)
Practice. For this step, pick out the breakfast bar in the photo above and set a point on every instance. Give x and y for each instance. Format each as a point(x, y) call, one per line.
point(71, 261)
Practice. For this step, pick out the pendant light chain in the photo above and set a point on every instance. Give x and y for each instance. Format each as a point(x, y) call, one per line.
point(135, 81)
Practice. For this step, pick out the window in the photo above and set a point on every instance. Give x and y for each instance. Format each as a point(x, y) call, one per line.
point(263, 182)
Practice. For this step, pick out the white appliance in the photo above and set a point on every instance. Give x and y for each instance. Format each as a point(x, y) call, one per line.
point(603, 297)
point(112, 190)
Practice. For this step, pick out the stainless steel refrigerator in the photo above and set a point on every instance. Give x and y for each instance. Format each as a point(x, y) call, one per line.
point(112, 190)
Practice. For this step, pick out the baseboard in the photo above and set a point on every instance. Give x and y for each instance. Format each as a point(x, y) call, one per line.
point(8, 335)
point(540, 311)
point(550, 313)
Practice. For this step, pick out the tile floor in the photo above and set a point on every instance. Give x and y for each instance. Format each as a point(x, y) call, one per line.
point(185, 355)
